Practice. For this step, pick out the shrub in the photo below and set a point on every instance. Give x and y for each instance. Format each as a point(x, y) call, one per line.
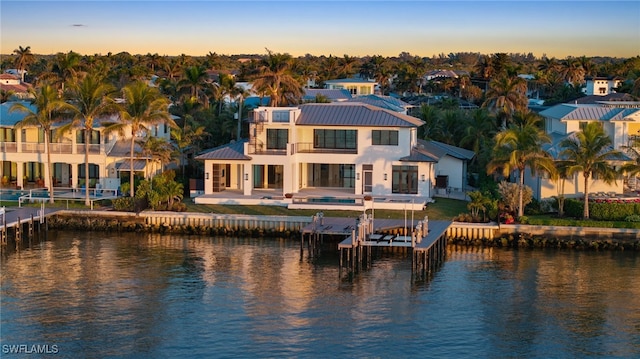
point(125, 204)
point(633, 218)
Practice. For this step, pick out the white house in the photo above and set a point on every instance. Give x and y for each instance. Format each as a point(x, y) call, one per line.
point(601, 86)
point(342, 149)
point(619, 119)
point(23, 157)
point(355, 86)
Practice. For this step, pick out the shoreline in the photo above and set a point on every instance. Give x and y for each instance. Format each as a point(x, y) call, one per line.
point(188, 223)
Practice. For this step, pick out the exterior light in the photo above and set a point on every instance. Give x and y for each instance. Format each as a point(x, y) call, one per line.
point(422, 178)
point(246, 176)
point(385, 176)
point(206, 175)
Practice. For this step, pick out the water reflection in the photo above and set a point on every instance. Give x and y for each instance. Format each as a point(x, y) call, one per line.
point(135, 295)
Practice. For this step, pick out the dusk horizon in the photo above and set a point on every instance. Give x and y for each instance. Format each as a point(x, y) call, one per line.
point(354, 28)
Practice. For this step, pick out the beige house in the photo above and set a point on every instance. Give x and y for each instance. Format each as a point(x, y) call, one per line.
point(23, 158)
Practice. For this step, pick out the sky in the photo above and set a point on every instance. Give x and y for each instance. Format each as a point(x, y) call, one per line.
point(329, 27)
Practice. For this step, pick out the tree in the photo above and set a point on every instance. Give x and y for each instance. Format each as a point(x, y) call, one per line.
point(274, 78)
point(519, 147)
point(589, 151)
point(90, 97)
point(506, 95)
point(479, 202)
point(49, 108)
point(184, 138)
point(143, 106)
point(194, 80)
point(24, 57)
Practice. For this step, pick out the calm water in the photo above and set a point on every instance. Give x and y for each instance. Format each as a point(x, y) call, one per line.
point(138, 295)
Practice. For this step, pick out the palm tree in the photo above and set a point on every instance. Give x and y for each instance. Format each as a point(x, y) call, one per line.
point(156, 149)
point(48, 110)
point(24, 57)
point(275, 79)
point(184, 138)
point(194, 80)
point(90, 97)
point(143, 106)
point(506, 95)
point(589, 151)
point(520, 146)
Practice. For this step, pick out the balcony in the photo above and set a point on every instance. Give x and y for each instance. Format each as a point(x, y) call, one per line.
point(54, 148)
point(308, 147)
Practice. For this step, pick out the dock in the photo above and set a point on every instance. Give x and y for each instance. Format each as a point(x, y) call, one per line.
point(18, 223)
point(425, 240)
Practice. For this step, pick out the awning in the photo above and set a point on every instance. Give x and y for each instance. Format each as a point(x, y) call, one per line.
point(125, 165)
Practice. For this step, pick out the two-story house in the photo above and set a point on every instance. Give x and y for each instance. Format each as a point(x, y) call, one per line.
point(355, 86)
point(619, 119)
point(344, 149)
point(23, 156)
point(601, 86)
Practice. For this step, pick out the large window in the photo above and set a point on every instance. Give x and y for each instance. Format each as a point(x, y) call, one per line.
point(384, 137)
point(332, 175)
point(404, 179)
point(7, 135)
point(280, 116)
point(335, 139)
point(94, 137)
point(277, 139)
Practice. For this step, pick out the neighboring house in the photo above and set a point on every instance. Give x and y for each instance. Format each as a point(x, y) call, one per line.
point(619, 119)
point(440, 75)
point(601, 86)
point(353, 149)
point(23, 158)
point(332, 95)
point(386, 102)
point(355, 86)
point(10, 82)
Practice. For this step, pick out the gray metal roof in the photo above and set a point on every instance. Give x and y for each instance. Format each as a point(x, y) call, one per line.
point(333, 94)
point(125, 165)
point(122, 149)
point(353, 114)
point(566, 112)
point(386, 102)
point(436, 150)
point(231, 151)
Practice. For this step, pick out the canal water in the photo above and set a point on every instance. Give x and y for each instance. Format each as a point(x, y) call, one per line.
point(96, 295)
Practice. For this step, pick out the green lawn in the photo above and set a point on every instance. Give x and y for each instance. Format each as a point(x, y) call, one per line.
point(443, 209)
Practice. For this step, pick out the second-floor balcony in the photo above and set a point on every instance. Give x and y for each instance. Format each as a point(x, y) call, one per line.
point(300, 147)
point(54, 148)
point(309, 147)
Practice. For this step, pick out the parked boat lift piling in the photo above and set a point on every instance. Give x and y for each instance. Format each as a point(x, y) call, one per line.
point(21, 224)
point(426, 240)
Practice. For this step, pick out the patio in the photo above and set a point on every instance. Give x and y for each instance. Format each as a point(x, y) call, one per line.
point(315, 198)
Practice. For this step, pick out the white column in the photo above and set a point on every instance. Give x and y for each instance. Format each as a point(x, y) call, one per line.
point(247, 175)
point(74, 175)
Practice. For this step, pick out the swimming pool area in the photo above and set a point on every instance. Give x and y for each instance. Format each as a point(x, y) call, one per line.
point(15, 194)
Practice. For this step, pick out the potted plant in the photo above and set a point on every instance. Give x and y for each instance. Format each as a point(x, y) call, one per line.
point(368, 197)
point(288, 195)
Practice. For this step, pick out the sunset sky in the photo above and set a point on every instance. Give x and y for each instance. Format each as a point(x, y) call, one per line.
point(357, 28)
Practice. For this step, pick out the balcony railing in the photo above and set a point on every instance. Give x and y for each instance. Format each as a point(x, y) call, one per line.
point(307, 147)
point(54, 148)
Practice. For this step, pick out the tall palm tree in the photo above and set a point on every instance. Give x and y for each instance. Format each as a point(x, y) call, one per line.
point(90, 97)
point(143, 106)
point(506, 95)
point(589, 151)
point(520, 146)
point(194, 80)
point(275, 79)
point(49, 108)
point(24, 57)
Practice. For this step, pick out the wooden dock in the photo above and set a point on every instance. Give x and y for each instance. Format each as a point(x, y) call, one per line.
point(16, 223)
point(426, 240)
